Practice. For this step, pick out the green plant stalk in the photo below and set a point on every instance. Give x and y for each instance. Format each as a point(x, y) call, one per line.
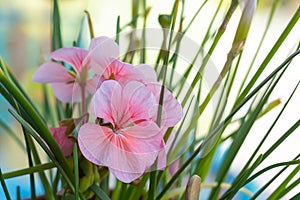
point(273, 9)
point(26, 171)
point(245, 172)
point(42, 128)
point(236, 145)
point(198, 114)
point(293, 162)
point(289, 188)
point(270, 55)
point(90, 23)
point(241, 174)
point(99, 192)
point(18, 193)
point(271, 181)
point(45, 147)
point(118, 30)
point(203, 166)
point(76, 172)
point(6, 193)
point(220, 32)
point(224, 123)
point(48, 190)
point(153, 174)
point(277, 193)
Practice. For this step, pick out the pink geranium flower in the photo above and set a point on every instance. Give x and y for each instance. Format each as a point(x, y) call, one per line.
point(129, 140)
point(61, 138)
point(117, 70)
point(67, 84)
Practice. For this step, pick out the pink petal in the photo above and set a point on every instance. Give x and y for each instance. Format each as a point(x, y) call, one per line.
point(101, 104)
point(125, 177)
point(51, 72)
point(140, 101)
point(172, 110)
point(121, 72)
point(65, 144)
point(117, 151)
point(72, 55)
point(67, 92)
point(148, 73)
point(103, 51)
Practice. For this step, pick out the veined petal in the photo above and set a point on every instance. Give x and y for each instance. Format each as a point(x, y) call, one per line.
point(71, 55)
point(172, 110)
point(102, 52)
point(140, 101)
point(116, 151)
point(51, 72)
point(125, 177)
point(67, 92)
point(121, 72)
point(101, 104)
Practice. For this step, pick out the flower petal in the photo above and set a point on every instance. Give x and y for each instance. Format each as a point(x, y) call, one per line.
point(121, 72)
point(140, 101)
point(172, 110)
point(101, 104)
point(72, 55)
point(65, 144)
point(102, 52)
point(125, 177)
point(51, 72)
point(116, 151)
point(67, 92)
point(148, 73)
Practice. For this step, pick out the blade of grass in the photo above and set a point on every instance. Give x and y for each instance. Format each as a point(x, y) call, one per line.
point(76, 172)
point(26, 171)
point(270, 55)
point(224, 123)
point(18, 193)
point(282, 185)
point(99, 192)
point(245, 172)
point(6, 193)
point(56, 32)
point(271, 15)
point(41, 128)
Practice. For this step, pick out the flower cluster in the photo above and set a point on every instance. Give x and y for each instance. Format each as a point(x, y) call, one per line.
point(127, 137)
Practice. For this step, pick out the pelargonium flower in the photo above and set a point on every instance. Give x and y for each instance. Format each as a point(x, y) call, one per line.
point(61, 138)
point(117, 70)
point(67, 84)
point(129, 140)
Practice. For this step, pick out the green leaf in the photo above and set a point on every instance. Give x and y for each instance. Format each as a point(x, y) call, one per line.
point(56, 32)
point(30, 170)
point(99, 192)
point(6, 193)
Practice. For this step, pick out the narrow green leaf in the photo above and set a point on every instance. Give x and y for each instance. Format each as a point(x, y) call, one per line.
point(270, 55)
point(30, 170)
point(293, 162)
point(4, 186)
point(18, 193)
point(99, 192)
point(56, 32)
point(76, 172)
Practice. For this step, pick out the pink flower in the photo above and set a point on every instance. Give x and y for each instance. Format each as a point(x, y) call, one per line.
point(67, 84)
point(129, 141)
point(65, 144)
point(117, 70)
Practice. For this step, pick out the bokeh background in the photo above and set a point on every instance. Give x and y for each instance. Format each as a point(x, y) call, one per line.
point(25, 42)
